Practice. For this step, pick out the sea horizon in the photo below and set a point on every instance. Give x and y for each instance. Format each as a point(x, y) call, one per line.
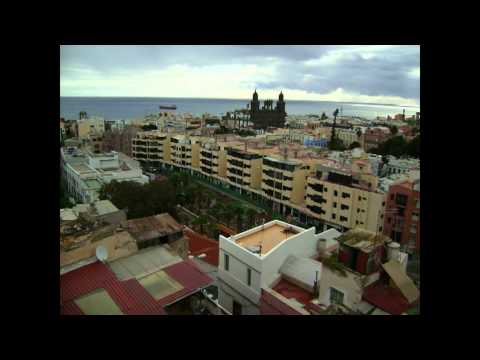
point(234, 99)
point(129, 107)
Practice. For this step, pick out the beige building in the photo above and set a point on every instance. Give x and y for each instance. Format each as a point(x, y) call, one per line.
point(284, 179)
point(345, 199)
point(93, 125)
point(152, 146)
point(349, 136)
point(213, 159)
point(244, 168)
point(185, 151)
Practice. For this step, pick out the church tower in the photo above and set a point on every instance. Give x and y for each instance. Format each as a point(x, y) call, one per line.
point(281, 103)
point(255, 104)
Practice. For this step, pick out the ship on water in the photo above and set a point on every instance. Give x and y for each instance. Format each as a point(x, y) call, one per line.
point(168, 107)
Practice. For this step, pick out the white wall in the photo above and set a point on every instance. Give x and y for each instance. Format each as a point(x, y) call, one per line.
point(302, 244)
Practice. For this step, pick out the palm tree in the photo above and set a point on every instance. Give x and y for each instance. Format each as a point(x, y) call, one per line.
point(239, 213)
point(251, 214)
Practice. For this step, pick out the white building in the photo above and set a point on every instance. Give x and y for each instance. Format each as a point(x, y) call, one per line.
point(252, 260)
point(400, 166)
point(85, 172)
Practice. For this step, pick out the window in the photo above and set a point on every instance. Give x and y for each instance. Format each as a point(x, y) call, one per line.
point(380, 229)
point(389, 220)
point(344, 207)
point(336, 296)
point(343, 218)
point(418, 204)
point(358, 210)
point(226, 262)
point(356, 222)
point(249, 277)
point(335, 193)
point(334, 216)
point(334, 204)
point(345, 195)
point(359, 198)
point(415, 216)
point(325, 189)
point(383, 203)
point(392, 196)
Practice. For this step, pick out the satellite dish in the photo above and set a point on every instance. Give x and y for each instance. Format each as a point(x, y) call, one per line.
point(102, 253)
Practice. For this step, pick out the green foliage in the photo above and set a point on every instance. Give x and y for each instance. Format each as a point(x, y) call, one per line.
point(149, 127)
point(337, 144)
point(413, 147)
point(354, 145)
point(245, 132)
point(333, 263)
point(141, 200)
point(64, 201)
point(324, 117)
point(398, 146)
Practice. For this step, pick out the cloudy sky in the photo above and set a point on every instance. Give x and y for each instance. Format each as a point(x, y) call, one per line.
point(385, 74)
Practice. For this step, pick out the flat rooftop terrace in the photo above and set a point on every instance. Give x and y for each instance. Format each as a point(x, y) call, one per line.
point(268, 237)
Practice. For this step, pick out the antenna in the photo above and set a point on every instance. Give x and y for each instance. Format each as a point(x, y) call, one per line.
point(101, 253)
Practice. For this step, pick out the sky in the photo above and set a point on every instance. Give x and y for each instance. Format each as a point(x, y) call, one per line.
point(382, 74)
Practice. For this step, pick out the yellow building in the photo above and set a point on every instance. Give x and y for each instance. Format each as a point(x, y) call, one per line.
point(151, 147)
point(93, 125)
point(284, 179)
point(213, 159)
point(244, 168)
point(348, 200)
point(185, 151)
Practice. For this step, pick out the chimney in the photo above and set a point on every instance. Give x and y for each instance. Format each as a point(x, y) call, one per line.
point(393, 251)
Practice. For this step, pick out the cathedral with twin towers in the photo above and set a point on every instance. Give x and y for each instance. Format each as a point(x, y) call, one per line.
point(267, 115)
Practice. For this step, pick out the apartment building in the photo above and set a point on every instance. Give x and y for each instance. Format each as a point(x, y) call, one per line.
point(91, 125)
point(244, 168)
point(402, 220)
point(400, 166)
point(85, 172)
point(185, 151)
point(213, 159)
point(349, 136)
point(345, 199)
point(151, 148)
point(373, 137)
point(284, 182)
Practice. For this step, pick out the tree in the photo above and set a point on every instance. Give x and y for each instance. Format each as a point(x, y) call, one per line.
point(239, 213)
point(251, 214)
point(200, 221)
point(413, 147)
point(354, 145)
point(149, 127)
point(324, 117)
point(337, 144)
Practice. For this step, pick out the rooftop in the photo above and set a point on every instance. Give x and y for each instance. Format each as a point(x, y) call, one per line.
point(361, 239)
point(95, 289)
point(153, 226)
point(266, 237)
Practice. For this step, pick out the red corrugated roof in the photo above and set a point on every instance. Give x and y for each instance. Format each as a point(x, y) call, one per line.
point(292, 291)
point(129, 295)
point(386, 298)
point(199, 244)
point(270, 305)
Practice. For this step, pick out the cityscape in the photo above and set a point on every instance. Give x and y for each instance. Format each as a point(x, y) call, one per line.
point(274, 189)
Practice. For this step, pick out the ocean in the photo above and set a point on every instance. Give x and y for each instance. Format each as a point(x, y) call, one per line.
point(126, 108)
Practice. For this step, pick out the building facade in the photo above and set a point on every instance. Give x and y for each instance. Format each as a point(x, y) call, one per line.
point(402, 214)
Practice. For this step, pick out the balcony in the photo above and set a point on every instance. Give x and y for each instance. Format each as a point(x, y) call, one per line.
point(316, 187)
point(317, 198)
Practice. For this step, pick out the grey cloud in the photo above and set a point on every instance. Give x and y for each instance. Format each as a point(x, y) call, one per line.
point(384, 74)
